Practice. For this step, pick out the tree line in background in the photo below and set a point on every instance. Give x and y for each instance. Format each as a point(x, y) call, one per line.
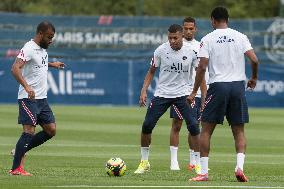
point(195, 8)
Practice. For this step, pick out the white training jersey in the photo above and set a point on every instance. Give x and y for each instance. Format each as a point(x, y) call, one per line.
point(225, 49)
point(174, 77)
point(34, 70)
point(196, 46)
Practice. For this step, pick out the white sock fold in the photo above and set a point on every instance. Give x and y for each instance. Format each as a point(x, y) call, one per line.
point(240, 161)
point(204, 165)
point(197, 158)
point(174, 150)
point(192, 157)
point(145, 153)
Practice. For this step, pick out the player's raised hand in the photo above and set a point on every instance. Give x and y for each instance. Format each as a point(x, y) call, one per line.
point(143, 99)
point(251, 84)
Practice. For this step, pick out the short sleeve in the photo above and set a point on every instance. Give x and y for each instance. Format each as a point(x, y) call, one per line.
point(246, 44)
point(195, 59)
point(25, 54)
point(156, 60)
point(204, 49)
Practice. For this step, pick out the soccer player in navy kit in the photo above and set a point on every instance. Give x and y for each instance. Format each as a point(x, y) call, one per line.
point(30, 70)
point(175, 59)
point(224, 51)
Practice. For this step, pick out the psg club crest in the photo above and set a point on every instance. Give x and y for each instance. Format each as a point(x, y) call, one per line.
point(274, 41)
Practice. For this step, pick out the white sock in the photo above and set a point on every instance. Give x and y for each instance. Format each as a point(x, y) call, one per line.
point(145, 153)
point(240, 161)
point(197, 158)
point(192, 157)
point(174, 151)
point(204, 165)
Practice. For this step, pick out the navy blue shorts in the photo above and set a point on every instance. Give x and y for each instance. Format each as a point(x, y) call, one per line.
point(226, 99)
point(159, 105)
point(173, 113)
point(33, 112)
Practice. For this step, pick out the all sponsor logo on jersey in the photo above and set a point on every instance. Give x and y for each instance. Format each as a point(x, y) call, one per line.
point(176, 67)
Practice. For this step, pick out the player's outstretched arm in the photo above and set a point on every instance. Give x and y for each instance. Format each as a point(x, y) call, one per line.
point(147, 81)
point(254, 66)
point(59, 65)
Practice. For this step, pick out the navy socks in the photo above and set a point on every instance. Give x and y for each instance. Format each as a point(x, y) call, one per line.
point(38, 139)
point(21, 148)
point(25, 143)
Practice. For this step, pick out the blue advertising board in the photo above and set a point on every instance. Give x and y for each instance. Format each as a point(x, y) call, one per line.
point(119, 83)
point(269, 91)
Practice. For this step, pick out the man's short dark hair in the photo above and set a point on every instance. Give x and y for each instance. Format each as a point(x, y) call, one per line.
point(44, 26)
point(175, 28)
point(189, 19)
point(220, 14)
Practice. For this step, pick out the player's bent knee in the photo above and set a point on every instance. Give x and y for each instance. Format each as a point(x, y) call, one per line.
point(147, 128)
point(176, 125)
point(176, 128)
point(193, 130)
point(51, 130)
point(177, 121)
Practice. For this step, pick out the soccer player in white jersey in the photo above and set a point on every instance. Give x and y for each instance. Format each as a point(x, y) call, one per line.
point(189, 30)
point(30, 70)
point(224, 51)
point(175, 60)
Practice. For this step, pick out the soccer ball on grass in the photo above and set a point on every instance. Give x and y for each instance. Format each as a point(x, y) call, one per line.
point(115, 167)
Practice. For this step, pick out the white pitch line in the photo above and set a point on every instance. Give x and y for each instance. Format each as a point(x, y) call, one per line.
point(90, 186)
point(84, 145)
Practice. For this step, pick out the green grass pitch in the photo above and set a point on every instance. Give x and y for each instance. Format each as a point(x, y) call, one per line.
point(87, 136)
